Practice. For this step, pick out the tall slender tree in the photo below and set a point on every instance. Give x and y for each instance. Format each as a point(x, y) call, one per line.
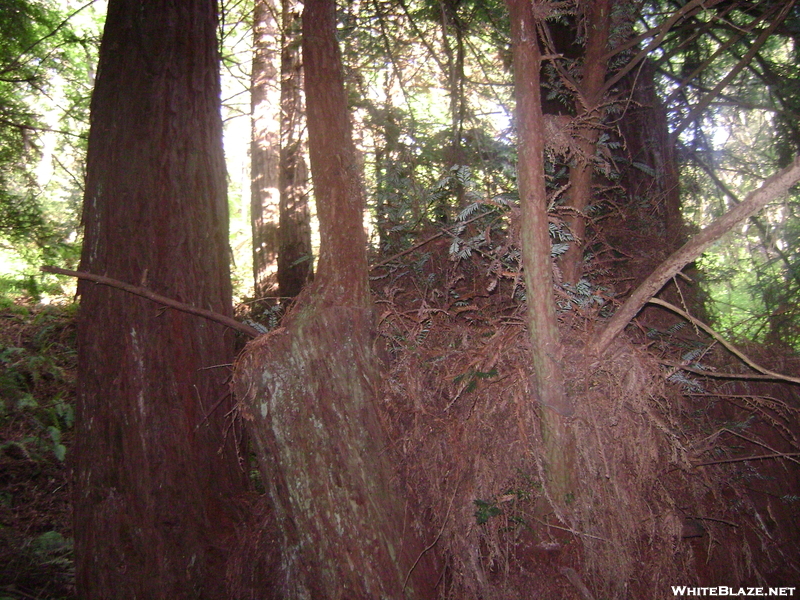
point(280, 216)
point(535, 238)
point(154, 469)
point(589, 112)
point(295, 259)
point(265, 146)
point(310, 388)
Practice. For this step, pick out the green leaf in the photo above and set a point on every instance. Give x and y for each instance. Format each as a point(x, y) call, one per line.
point(60, 451)
point(486, 510)
point(27, 401)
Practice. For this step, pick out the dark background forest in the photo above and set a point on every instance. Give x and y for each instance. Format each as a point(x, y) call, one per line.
point(399, 298)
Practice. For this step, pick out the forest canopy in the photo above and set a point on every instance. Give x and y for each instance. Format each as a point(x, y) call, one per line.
point(47, 61)
point(521, 278)
point(430, 94)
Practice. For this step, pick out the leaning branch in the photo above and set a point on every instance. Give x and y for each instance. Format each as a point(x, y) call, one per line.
point(706, 101)
point(746, 458)
point(772, 375)
point(658, 34)
point(145, 293)
point(774, 187)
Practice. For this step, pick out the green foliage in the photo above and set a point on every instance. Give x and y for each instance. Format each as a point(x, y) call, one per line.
point(485, 510)
point(21, 25)
point(426, 109)
point(472, 377)
point(750, 132)
point(51, 544)
point(35, 379)
point(514, 505)
point(47, 61)
point(37, 371)
point(586, 296)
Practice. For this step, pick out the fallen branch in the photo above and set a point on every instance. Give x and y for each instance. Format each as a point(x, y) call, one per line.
point(774, 187)
point(787, 455)
point(728, 346)
point(723, 461)
point(726, 375)
point(145, 293)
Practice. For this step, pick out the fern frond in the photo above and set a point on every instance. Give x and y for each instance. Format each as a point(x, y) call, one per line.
point(646, 169)
point(468, 211)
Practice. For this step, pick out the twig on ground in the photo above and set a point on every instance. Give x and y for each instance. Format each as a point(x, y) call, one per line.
point(724, 342)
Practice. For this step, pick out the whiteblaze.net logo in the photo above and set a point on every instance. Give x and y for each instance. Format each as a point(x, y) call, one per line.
point(685, 591)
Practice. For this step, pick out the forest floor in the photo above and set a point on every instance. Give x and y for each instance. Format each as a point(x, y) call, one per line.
point(683, 477)
point(667, 494)
point(37, 391)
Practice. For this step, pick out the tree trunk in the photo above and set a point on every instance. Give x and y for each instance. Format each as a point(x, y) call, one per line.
point(454, 155)
point(541, 317)
point(154, 470)
point(589, 113)
point(295, 260)
point(264, 148)
point(343, 269)
point(655, 229)
point(309, 390)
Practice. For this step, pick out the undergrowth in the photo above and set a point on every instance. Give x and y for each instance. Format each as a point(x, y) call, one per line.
point(37, 383)
point(666, 495)
point(684, 478)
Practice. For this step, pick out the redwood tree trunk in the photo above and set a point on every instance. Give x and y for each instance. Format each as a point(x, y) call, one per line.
point(295, 261)
point(309, 390)
point(154, 470)
point(343, 270)
point(264, 148)
point(281, 222)
point(589, 112)
point(541, 317)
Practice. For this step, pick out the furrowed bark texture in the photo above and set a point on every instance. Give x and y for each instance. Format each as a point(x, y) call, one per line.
point(533, 203)
point(589, 112)
point(541, 318)
point(153, 470)
point(295, 262)
point(342, 266)
point(655, 229)
point(264, 148)
point(308, 394)
point(308, 391)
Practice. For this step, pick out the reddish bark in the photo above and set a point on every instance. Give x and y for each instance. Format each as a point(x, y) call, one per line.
point(546, 349)
point(281, 221)
point(309, 397)
point(342, 271)
point(533, 203)
point(589, 114)
point(153, 469)
point(295, 262)
point(309, 390)
point(657, 226)
point(264, 149)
